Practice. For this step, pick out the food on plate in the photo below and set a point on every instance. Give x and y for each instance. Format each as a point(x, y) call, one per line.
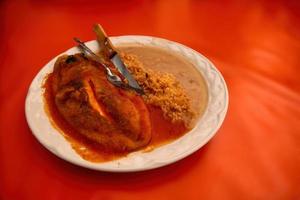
point(104, 122)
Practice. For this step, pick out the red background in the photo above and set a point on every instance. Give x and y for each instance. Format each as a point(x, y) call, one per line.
point(256, 46)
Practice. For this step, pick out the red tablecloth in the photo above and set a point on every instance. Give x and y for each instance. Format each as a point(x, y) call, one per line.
point(256, 46)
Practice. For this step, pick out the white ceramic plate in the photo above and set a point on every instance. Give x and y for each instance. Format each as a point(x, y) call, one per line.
point(204, 130)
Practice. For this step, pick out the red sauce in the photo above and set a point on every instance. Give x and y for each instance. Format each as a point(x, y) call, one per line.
point(163, 131)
